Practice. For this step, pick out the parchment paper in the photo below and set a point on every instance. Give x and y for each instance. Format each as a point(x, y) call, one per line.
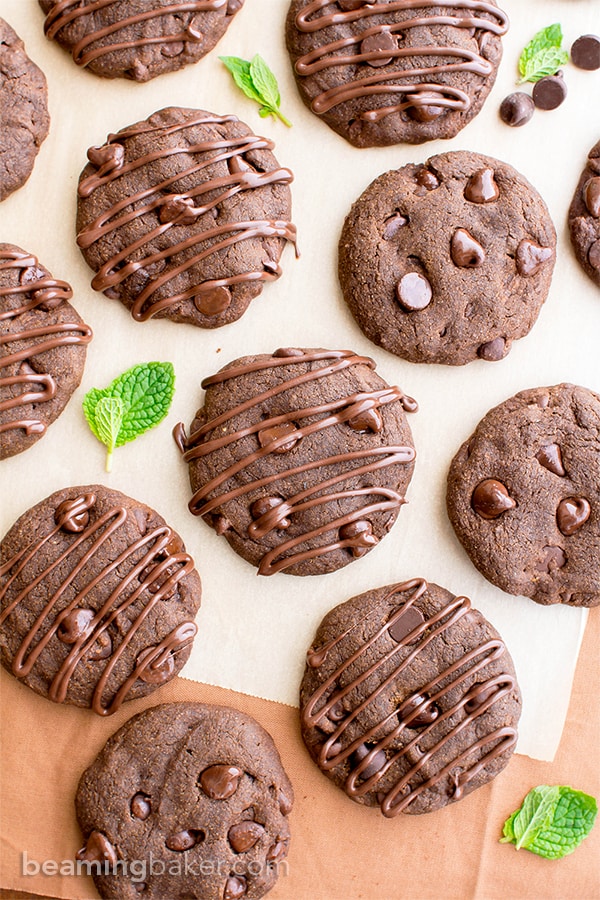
point(254, 631)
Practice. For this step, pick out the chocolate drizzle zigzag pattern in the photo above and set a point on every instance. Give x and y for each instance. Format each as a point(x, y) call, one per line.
point(177, 208)
point(413, 712)
point(46, 293)
point(418, 88)
point(279, 433)
point(153, 577)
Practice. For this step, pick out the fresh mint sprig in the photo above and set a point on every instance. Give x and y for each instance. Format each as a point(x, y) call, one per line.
point(552, 821)
point(257, 82)
point(543, 54)
point(131, 404)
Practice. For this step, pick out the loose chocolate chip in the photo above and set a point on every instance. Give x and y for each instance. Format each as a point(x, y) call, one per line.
point(531, 257)
point(591, 196)
point(220, 782)
point(414, 292)
point(409, 619)
point(244, 835)
point(482, 187)
point(376, 763)
point(549, 92)
point(550, 457)
point(425, 112)
point(361, 535)
point(585, 52)
point(552, 558)
point(369, 420)
point(393, 225)
point(383, 42)
point(425, 717)
point(494, 350)
point(572, 513)
point(517, 109)
point(214, 301)
point(75, 625)
point(491, 499)
point(268, 435)
point(140, 806)
point(235, 887)
point(466, 252)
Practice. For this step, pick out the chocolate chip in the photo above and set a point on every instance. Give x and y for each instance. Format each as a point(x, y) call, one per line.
point(140, 806)
point(594, 255)
point(572, 513)
point(235, 887)
point(220, 782)
point(277, 851)
point(108, 157)
point(393, 225)
point(591, 196)
point(491, 499)
point(184, 840)
point(531, 257)
point(285, 803)
point(427, 179)
point(466, 252)
point(98, 849)
point(264, 505)
point(517, 109)
point(479, 696)
point(74, 625)
point(369, 420)
point(375, 764)
point(214, 301)
point(425, 112)
point(414, 292)
point(383, 42)
point(494, 350)
point(69, 519)
point(425, 717)
point(268, 435)
point(244, 835)
point(552, 558)
point(177, 208)
point(482, 187)
point(585, 52)
point(405, 622)
point(350, 5)
point(157, 673)
point(361, 535)
point(550, 457)
point(549, 92)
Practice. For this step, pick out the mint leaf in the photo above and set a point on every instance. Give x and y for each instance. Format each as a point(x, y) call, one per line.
point(133, 403)
point(257, 82)
point(552, 821)
point(543, 54)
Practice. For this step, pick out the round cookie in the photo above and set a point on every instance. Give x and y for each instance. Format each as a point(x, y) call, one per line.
point(24, 117)
point(44, 343)
point(97, 599)
point(584, 217)
point(301, 458)
point(449, 261)
point(185, 800)
point(524, 495)
point(409, 700)
point(184, 216)
point(393, 72)
point(137, 40)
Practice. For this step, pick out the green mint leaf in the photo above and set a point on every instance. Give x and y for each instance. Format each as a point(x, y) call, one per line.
point(543, 54)
point(256, 80)
point(134, 402)
point(552, 821)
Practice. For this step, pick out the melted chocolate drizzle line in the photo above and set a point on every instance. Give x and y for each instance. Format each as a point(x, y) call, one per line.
point(334, 413)
point(41, 291)
point(117, 269)
point(406, 789)
point(154, 563)
point(67, 11)
point(415, 93)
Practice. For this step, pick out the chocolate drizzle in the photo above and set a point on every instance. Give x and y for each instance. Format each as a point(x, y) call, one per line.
point(173, 209)
point(42, 292)
point(155, 562)
point(418, 91)
point(64, 12)
point(328, 490)
point(415, 712)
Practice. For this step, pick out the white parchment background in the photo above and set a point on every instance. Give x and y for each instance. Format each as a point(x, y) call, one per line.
point(254, 631)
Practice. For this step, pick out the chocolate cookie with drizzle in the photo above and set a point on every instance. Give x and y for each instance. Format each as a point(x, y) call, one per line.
point(97, 599)
point(184, 216)
point(384, 72)
point(301, 458)
point(129, 39)
point(43, 344)
point(409, 700)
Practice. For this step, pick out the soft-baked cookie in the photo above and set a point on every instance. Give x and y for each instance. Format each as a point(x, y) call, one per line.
point(449, 261)
point(584, 216)
point(43, 344)
point(186, 800)
point(137, 39)
point(24, 117)
point(184, 216)
point(524, 495)
point(97, 599)
point(301, 459)
point(409, 699)
point(382, 73)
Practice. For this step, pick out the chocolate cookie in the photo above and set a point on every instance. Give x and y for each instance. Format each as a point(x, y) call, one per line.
point(386, 73)
point(524, 495)
point(409, 700)
point(137, 40)
point(185, 800)
point(184, 216)
point(43, 344)
point(584, 217)
point(448, 261)
point(300, 458)
point(97, 599)
point(24, 117)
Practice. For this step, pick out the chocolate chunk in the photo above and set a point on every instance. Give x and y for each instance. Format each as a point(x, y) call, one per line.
point(361, 535)
point(213, 302)
point(406, 622)
point(74, 625)
point(572, 513)
point(369, 420)
point(517, 109)
point(478, 698)
point(482, 187)
point(466, 252)
point(414, 292)
point(594, 255)
point(491, 499)
point(585, 52)
point(235, 887)
point(549, 92)
point(98, 849)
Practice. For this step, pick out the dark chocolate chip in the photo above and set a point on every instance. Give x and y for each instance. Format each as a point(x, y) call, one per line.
point(382, 42)
point(466, 252)
point(176, 208)
point(425, 717)
point(585, 52)
point(235, 887)
point(531, 257)
point(407, 621)
point(244, 835)
point(572, 513)
point(361, 535)
point(594, 255)
point(414, 292)
point(478, 697)
point(98, 849)
point(263, 505)
point(552, 558)
point(517, 109)
point(491, 499)
point(268, 435)
point(393, 225)
point(374, 765)
point(220, 782)
point(494, 350)
point(591, 196)
point(74, 625)
point(369, 420)
point(140, 806)
point(426, 112)
point(549, 92)
point(482, 187)
point(184, 840)
point(427, 179)
point(550, 457)
point(214, 301)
